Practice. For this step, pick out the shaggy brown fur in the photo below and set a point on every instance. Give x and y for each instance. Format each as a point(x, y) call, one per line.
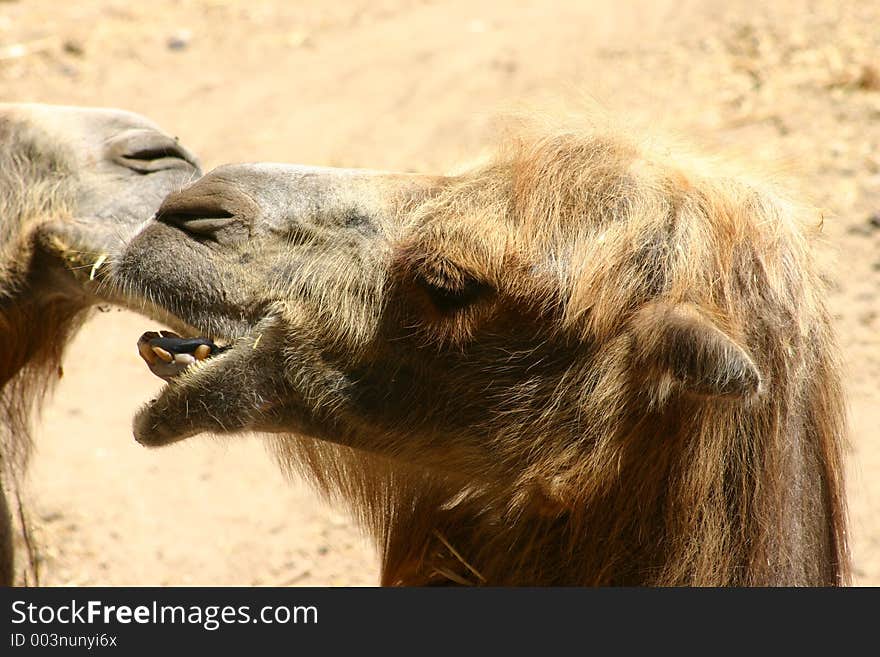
point(590, 361)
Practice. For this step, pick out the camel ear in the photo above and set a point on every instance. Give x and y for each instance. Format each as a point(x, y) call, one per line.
point(680, 341)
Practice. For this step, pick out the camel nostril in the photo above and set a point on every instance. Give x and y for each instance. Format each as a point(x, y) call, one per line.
point(211, 208)
point(156, 153)
point(148, 151)
point(205, 222)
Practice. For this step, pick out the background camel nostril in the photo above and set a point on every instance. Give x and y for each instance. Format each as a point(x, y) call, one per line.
point(155, 153)
point(148, 151)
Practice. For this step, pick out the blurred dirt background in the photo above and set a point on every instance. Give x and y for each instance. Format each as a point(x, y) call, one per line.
point(413, 85)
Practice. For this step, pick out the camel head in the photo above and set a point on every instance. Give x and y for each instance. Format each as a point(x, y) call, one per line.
point(589, 359)
point(500, 323)
point(74, 183)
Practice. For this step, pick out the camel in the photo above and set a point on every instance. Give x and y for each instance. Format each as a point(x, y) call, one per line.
point(592, 358)
point(74, 182)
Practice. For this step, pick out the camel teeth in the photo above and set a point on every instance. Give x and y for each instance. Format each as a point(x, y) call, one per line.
point(146, 353)
point(202, 352)
point(164, 355)
point(184, 359)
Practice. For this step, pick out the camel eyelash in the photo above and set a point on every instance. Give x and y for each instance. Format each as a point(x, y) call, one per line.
point(450, 296)
point(440, 301)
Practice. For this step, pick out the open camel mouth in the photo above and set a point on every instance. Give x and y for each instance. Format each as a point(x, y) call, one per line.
point(169, 355)
point(195, 370)
point(212, 384)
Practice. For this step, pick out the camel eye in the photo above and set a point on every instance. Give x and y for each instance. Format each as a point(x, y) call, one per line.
point(452, 293)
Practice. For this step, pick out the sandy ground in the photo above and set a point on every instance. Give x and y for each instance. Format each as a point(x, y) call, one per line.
point(413, 85)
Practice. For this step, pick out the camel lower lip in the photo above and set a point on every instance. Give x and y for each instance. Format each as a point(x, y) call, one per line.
point(169, 355)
